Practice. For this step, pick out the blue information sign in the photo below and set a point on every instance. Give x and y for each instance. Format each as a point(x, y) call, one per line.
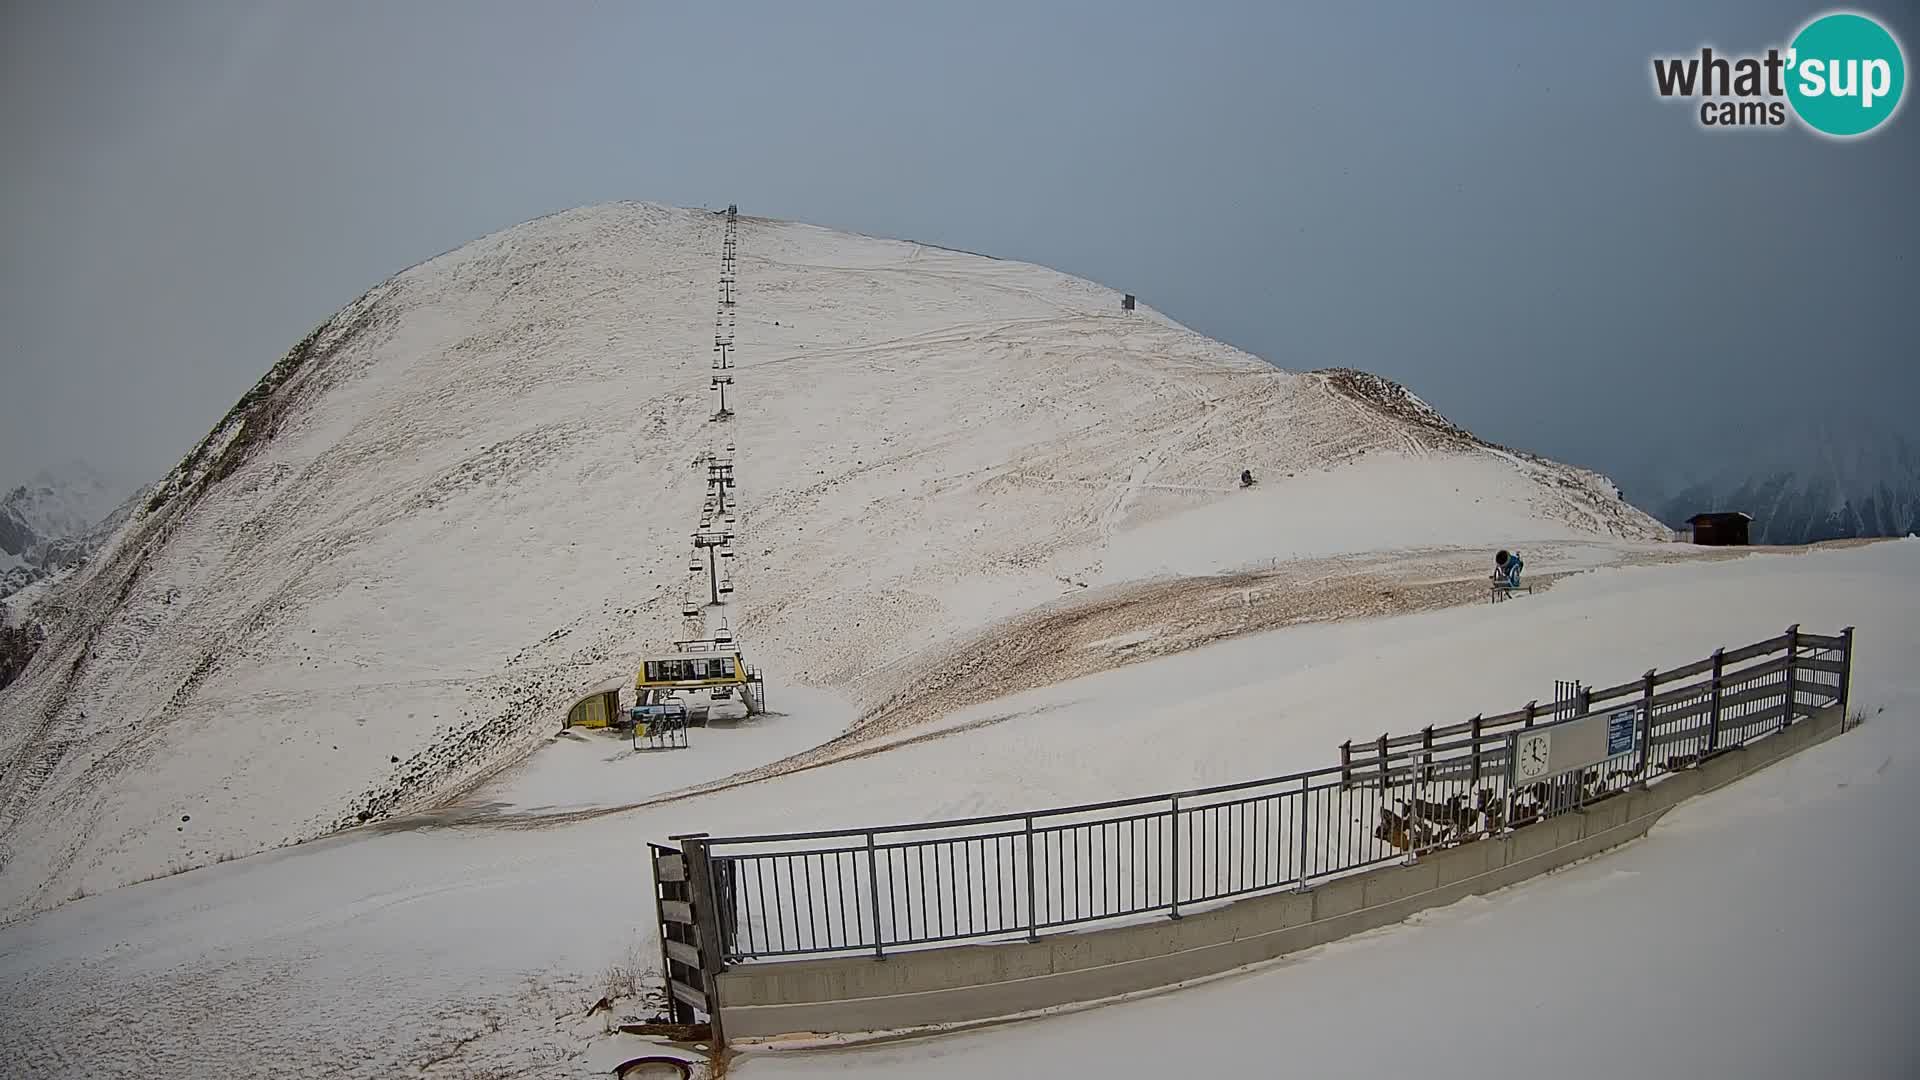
point(1620, 726)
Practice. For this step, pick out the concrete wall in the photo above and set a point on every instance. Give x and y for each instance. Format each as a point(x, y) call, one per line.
point(984, 982)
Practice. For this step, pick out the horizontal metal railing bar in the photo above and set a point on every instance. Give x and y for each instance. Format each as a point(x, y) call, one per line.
point(1543, 714)
point(1831, 667)
point(1152, 815)
point(1821, 641)
point(1684, 671)
point(1757, 671)
point(1758, 648)
point(1625, 689)
point(1493, 758)
point(989, 819)
point(1697, 733)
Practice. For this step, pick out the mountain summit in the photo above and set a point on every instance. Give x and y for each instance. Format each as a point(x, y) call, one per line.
point(1805, 480)
point(47, 524)
point(465, 499)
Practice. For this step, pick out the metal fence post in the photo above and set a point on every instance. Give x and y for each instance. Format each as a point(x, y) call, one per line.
point(1793, 676)
point(1713, 715)
point(1305, 788)
point(1173, 825)
point(1346, 765)
point(1476, 750)
point(1426, 755)
point(1033, 925)
point(1582, 705)
point(1380, 750)
point(1646, 723)
point(1846, 672)
point(873, 888)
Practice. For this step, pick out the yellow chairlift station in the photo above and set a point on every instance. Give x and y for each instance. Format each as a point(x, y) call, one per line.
point(693, 665)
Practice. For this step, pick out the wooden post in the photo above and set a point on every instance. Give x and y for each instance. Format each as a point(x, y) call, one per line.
point(679, 1010)
point(706, 918)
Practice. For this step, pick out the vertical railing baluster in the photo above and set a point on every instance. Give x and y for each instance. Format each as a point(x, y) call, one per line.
point(1033, 927)
point(1173, 827)
point(873, 886)
point(1300, 881)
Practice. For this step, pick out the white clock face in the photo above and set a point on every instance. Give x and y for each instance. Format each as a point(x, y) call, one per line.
point(1531, 756)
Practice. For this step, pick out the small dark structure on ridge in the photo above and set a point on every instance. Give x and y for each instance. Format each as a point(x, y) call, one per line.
point(1726, 529)
point(1126, 302)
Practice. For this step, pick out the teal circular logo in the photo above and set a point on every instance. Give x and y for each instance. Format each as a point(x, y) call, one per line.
point(1845, 74)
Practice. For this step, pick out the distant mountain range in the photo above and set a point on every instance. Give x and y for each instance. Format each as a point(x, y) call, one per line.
point(55, 521)
point(1802, 483)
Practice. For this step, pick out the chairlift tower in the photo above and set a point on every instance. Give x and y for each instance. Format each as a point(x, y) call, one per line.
point(712, 540)
point(719, 479)
point(720, 383)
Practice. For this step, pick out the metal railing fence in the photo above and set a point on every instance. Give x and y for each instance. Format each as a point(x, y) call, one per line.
point(1019, 874)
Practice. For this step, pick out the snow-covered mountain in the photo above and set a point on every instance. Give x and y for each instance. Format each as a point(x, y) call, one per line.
point(1803, 481)
point(54, 521)
point(465, 499)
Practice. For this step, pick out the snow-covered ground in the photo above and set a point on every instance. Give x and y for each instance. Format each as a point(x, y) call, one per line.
point(1763, 929)
point(465, 500)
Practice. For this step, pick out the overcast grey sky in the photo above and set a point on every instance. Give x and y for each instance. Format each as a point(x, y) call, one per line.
point(1483, 200)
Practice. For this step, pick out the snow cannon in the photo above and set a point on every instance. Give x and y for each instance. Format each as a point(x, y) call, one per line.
point(1506, 574)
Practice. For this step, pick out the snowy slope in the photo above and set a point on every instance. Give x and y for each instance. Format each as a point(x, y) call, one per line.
point(477, 950)
point(1805, 968)
point(465, 499)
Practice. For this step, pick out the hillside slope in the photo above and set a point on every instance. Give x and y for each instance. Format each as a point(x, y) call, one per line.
point(465, 498)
